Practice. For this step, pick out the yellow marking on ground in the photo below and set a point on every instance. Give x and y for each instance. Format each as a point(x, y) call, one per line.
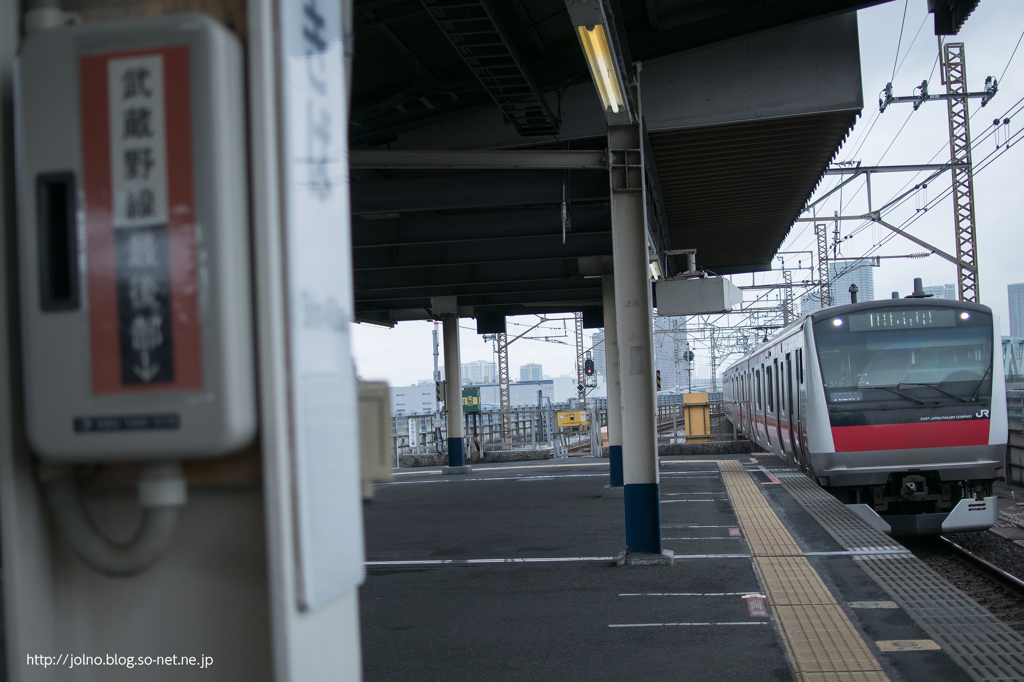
point(908, 645)
point(822, 643)
point(858, 676)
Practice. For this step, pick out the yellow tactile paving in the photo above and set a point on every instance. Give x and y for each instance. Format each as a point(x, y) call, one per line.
point(823, 644)
point(790, 584)
point(848, 676)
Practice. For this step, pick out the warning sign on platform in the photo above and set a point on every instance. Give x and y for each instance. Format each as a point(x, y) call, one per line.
point(575, 418)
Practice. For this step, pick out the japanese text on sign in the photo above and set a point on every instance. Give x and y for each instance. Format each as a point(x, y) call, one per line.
point(138, 153)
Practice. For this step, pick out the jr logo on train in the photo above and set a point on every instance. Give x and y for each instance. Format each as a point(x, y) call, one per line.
point(896, 407)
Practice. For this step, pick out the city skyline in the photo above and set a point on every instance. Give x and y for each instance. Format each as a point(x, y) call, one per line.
point(1015, 301)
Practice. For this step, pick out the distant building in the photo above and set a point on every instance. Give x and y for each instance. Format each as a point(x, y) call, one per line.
point(944, 291)
point(598, 353)
point(479, 372)
point(521, 393)
point(407, 400)
point(1015, 293)
point(531, 372)
point(841, 275)
point(670, 350)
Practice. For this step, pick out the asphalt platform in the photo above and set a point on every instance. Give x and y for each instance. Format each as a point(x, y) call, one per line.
point(509, 573)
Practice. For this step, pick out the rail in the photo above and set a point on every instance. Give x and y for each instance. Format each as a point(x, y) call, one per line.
point(1009, 580)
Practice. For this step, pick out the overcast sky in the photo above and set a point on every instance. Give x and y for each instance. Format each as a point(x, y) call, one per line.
point(404, 355)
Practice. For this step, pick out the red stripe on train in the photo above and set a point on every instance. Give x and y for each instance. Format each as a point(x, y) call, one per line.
point(909, 436)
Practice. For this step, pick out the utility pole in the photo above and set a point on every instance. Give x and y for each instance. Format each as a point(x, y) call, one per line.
point(503, 388)
point(581, 388)
point(689, 368)
point(787, 301)
point(714, 361)
point(955, 70)
point(821, 232)
point(675, 356)
point(954, 75)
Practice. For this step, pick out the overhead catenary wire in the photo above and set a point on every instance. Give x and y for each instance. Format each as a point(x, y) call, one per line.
point(895, 59)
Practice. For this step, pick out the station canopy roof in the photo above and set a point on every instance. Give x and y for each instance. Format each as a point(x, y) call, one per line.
point(744, 103)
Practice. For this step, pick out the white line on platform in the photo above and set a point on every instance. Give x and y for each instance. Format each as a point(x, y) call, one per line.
point(717, 499)
point(737, 537)
point(684, 594)
point(711, 556)
point(456, 479)
point(521, 560)
point(667, 625)
point(718, 493)
point(687, 525)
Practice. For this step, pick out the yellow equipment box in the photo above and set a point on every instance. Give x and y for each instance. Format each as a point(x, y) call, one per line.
point(697, 416)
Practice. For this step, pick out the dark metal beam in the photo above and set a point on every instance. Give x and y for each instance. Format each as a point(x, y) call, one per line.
point(460, 227)
point(368, 281)
point(464, 253)
point(568, 286)
point(584, 296)
point(480, 190)
point(478, 159)
point(476, 34)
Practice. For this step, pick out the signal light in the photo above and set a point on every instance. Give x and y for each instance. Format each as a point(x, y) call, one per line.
point(588, 367)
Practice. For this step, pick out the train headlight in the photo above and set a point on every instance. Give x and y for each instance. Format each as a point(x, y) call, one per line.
point(965, 315)
point(837, 322)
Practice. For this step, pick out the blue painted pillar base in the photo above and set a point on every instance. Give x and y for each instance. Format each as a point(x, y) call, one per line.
point(615, 464)
point(456, 457)
point(643, 518)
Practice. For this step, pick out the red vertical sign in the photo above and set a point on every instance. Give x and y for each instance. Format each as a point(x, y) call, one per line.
point(140, 226)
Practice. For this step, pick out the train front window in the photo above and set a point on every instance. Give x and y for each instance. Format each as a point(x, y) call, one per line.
point(909, 354)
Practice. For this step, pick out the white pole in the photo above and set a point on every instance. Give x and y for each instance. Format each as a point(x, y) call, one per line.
point(636, 348)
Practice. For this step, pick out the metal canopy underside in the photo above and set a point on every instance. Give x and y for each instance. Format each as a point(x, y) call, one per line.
point(773, 165)
point(735, 162)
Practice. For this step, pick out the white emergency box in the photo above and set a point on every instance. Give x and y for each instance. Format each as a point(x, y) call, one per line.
point(136, 310)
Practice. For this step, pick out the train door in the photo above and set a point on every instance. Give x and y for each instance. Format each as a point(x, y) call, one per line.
point(777, 429)
point(771, 418)
point(799, 448)
point(759, 432)
point(783, 410)
point(790, 412)
point(745, 407)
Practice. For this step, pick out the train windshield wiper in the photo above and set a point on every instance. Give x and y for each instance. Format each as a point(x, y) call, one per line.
point(892, 389)
point(941, 390)
point(974, 398)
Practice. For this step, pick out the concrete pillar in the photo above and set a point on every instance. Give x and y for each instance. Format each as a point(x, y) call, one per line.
point(635, 335)
point(611, 357)
point(453, 391)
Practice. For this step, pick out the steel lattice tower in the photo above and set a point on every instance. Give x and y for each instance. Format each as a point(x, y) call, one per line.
point(821, 232)
point(955, 72)
point(787, 298)
point(580, 377)
point(503, 389)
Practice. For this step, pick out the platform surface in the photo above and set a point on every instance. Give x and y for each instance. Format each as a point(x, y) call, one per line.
point(509, 573)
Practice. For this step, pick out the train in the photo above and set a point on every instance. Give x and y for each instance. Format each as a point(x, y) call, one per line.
point(896, 407)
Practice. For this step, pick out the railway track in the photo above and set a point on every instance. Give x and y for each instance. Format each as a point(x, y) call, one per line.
point(993, 588)
point(1011, 582)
